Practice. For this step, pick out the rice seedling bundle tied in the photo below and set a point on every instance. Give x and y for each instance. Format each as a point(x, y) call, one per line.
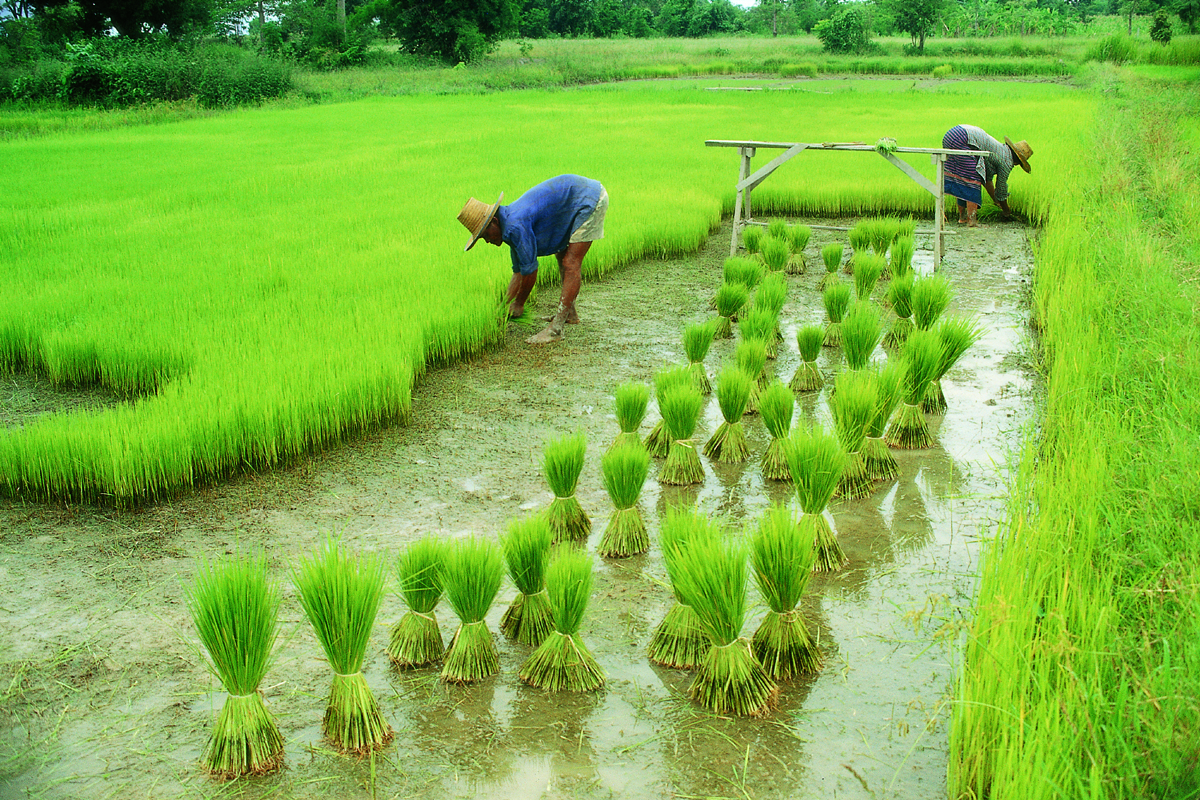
point(728, 443)
point(922, 356)
point(778, 229)
point(900, 296)
point(679, 641)
point(680, 408)
point(775, 254)
point(882, 232)
point(752, 238)
point(526, 548)
point(751, 358)
point(697, 338)
point(816, 461)
point(900, 263)
point(837, 300)
point(777, 404)
point(868, 268)
point(931, 295)
point(235, 609)
point(860, 240)
point(798, 238)
point(416, 639)
point(625, 469)
point(630, 400)
point(889, 381)
point(340, 595)
point(782, 553)
point(809, 340)
point(761, 324)
point(831, 255)
point(771, 293)
point(853, 406)
point(562, 462)
point(861, 331)
point(563, 661)
point(474, 568)
point(658, 442)
point(956, 335)
point(746, 271)
point(729, 301)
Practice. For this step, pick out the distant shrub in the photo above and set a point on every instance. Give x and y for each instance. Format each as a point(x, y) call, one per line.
point(846, 31)
point(945, 70)
point(804, 70)
point(1160, 30)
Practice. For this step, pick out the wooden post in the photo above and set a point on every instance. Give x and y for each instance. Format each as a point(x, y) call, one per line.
point(746, 154)
point(939, 241)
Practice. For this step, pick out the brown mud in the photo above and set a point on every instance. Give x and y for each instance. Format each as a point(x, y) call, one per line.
point(104, 689)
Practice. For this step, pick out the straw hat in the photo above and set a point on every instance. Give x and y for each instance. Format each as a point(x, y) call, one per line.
point(1022, 151)
point(475, 216)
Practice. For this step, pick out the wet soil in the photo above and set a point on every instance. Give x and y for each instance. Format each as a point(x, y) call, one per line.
point(104, 689)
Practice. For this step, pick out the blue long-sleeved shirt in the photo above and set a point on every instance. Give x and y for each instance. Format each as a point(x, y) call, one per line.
point(541, 221)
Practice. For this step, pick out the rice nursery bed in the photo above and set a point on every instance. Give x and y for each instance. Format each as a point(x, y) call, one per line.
point(105, 693)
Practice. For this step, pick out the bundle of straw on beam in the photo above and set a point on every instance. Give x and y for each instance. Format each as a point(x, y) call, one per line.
point(831, 255)
point(235, 609)
point(931, 295)
point(625, 469)
point(889, 381)
point(837, 300)
point(761, 324)
point(853, 406)
point(922, 356)
point(340, 596)
point(777, 404)
point(729, 301)
point(957, 335)
point(752, 237)
point(816, 461)
point(679, 641)
point(563, 661)
point(751, 358)
point(782, 554)
point(900, 296)
point(775, 254)
point(680, 409)
point(778, 229)
point(526, 548)
point(658, 442)
point(473, 570)
point(798, 237)
point(808, 378)
point(902, 256)
point(697, 338)
point(861, 332)
point(416, 639)
point(868, 267)
point(728, 443)
point(562, 462)
point(630, 400)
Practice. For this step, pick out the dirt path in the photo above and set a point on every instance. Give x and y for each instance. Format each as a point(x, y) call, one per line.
point(104, 689)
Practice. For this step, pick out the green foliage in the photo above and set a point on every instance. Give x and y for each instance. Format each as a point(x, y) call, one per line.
point(831, 254)
point(416, 640)
point(631, 400)
point(680, 640)
point(746, 271)
point(526, 549)
point(1160, 31)
point(450, 30)
point(563, 661)
point(562, 463)
point(728, 442)
point(861, 332)
point(845, 31)
point(775, 253)
point(624, 469)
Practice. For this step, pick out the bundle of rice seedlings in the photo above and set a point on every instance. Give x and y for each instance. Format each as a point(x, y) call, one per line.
point(235, 608)
point(728, 442)
point(778, 229)
point(760, 323)
point(729, 301)
point(860, 238)
point(931, 295)
point(957, 335)
point(775, 254)
point(902, 256)
point(562, 462)
point(772, 293)
point(777, 404)
point(861, 332)
point(889, 381)
point(837, 300)
point(697, 338)
point(630, 400)
point(816, 461)
point(416, 639)
point(340, 596)
point(526, 548)
point(681, 411)
point(752, 237)
point(563, 661)
point(782, 554)
point(853, 405)
point(658, 442)
point(746, 271)
point(473, 570)
point(905, 229)
point(679, 641)
point(711, 578)
point(625, 469)
point(798, 237)
point(900, 297)
point(882, 233)
point(809, 339)
point(922, 356)
point(751, 358)
point(831, 254)
point(867, 269)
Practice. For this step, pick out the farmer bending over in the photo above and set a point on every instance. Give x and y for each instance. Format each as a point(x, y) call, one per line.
point(965, 174)
point(563, 216)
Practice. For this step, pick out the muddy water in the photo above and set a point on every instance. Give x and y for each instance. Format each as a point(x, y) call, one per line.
point(105, 693)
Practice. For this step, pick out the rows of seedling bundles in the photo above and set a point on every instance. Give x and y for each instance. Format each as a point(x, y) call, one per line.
point(875, 405)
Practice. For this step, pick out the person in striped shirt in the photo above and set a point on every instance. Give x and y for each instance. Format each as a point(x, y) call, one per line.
point(965, 175)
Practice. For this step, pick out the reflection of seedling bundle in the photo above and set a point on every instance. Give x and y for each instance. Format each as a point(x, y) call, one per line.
point(711, 578)
point(473, 570)
point(956, 335)
point(680, 408)
point(831, 254)
point(729, 301)
point(931, 296)
point(235, 609)
point(902, 256)
point(751, 358)
point(752, 237)
point(760, 324)
point(853, 406)
point(809, 340)
point(746, 271)
point(837, 300)
point(775, 254)
point(658, 442)
point(900, 297)
point(867, 269)
point(798, 236)
point(922, 356)
point(728, 442)
point(816, 461)
point(526, 552)
point(563, 661)
point(631, 399)
point(782, 554)
point(697, 338)
point(861, 331)
point(889, 381)
point(679, 641)
point(416, 640)
point(340, 595)
point(625, 469)
point(562, 462)
point(777, 404)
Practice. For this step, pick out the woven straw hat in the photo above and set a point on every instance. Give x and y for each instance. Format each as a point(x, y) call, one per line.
point(1023, 152)
point(475, 216)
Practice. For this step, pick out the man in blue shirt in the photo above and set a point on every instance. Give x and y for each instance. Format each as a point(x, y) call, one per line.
point(561, 216)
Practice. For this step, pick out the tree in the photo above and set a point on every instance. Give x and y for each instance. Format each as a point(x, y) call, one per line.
point(135, 18)
point(570, 17)
point(450, 30)
point(845, 31)
point(1160, 30)
point(917, 18)
point(1189, 13)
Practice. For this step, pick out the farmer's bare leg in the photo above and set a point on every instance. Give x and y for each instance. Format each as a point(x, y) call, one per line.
point(962, 212)
point(571, 261)
point(518, 292)
point(973, 216)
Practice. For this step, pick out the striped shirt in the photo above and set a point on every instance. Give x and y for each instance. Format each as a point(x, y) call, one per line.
point(997, 164)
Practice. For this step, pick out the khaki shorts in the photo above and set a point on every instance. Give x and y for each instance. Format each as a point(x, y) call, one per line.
point(593, 227)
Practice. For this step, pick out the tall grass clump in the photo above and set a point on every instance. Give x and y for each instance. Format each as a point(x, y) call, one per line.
point(340, 595)
point(816, 461)
point(922, 355)
point(778, 229)
point(831, 255)
point(751, 357)
point(697, 339)
point(563, 661)
point(562, 463)
point(729, 301)
point(809, 339)
point(630, 400)
point(868, 267)
point(889, 382)
point(235, 608)
point(900, 263)
point(931, 295)
point(679, 641)
point(760, 324)
point(798, 238)
point(775, 254)
point(728, 442)
point(624, 470)
point(658, 442)
point(681, 412)
point(900, 297)
point(752, 238)
point(473, 571)
point(853, 405)
point(746, 271)
point(416, 640)
point(526, 547)
point(956, 334)
point(777, 405)
point(860, 240)
point(771, 294)
point(861, 331)
point(837, 300)
point(782, 554)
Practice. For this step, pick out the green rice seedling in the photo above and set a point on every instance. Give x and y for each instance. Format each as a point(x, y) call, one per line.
point(778, 229)
point(906, 228)
point(883, 233)
point(900, 263)
point(782, 553)
point(752, 238)
point(340, 596)
point(809, 339)
point(798, 238)
point(697, 339)
point(746, 271)
point(630, 400)
point(760, 323)
point(679, 641)
point(625, 469)
point(777, 404)
point(860, 239)
point(751, 358)
point(837, 300)
point(956, 334)
point(711, 578)
point(775, 254)
point(868, 267)
point(416, 639)
point(562, 661)
point(473, 570)
point(899, 295)
point(922, 355)
point(931, 295)
point(235, 608)
point(658, 442)
point(831, 255)
point(681, 411)
point(562, 462)
point(853, 406)
point(526, 548)
point(889, 381)
point(816, 461)
point(771, 293)
point(729, 301)
point(861, 332)
point(728, 443)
